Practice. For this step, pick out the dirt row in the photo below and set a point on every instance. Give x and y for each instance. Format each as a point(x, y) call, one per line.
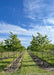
point(15, 66)
point(41, 63)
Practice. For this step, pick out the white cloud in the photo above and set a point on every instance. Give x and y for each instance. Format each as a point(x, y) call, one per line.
point(6, 28)
point(31, 17)
point(39, 8)
point(25, 41)
point(23, 25)
point(51, 20)
point(26, 38)
point(2, 39)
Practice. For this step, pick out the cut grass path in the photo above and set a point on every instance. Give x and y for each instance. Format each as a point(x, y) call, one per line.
point(29, 67)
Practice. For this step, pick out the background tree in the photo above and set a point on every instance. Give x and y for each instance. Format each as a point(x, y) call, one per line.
point(1, 43)
point(1, 46)
point(39, 43)
point(13, 43)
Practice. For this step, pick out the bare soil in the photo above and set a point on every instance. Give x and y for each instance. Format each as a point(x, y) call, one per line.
point(42, 63)
point(15, 65)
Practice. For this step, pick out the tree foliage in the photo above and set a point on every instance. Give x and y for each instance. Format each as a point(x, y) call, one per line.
point(13, 43)
point(39, 42)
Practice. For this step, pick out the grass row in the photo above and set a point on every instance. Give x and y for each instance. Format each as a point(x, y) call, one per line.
point(4, 63)
point(7, 54)
point(46, 56)
point(29, 67)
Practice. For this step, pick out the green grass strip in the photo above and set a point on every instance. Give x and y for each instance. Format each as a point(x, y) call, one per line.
point(4, 63)
point(49, 58)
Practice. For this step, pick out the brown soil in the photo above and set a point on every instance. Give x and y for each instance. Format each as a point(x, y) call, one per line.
point(15, 65)
point(42, 63)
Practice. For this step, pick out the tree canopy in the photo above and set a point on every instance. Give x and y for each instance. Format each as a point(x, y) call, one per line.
point(13, 43)
point(39, 42)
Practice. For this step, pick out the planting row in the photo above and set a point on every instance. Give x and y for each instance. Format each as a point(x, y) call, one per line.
point(4, 63)
point(49, 57)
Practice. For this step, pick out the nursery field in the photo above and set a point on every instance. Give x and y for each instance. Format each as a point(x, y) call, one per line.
point(5, 62)
point(28, 67)
point(47, 56)
point(7, 54)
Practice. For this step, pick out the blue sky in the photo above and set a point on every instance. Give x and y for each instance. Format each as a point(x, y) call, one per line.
point(26, 17)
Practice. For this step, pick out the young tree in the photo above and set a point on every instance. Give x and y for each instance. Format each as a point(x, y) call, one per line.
point(13, 43)
point(39, 42)
point(34, 44)
point(1, 44)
